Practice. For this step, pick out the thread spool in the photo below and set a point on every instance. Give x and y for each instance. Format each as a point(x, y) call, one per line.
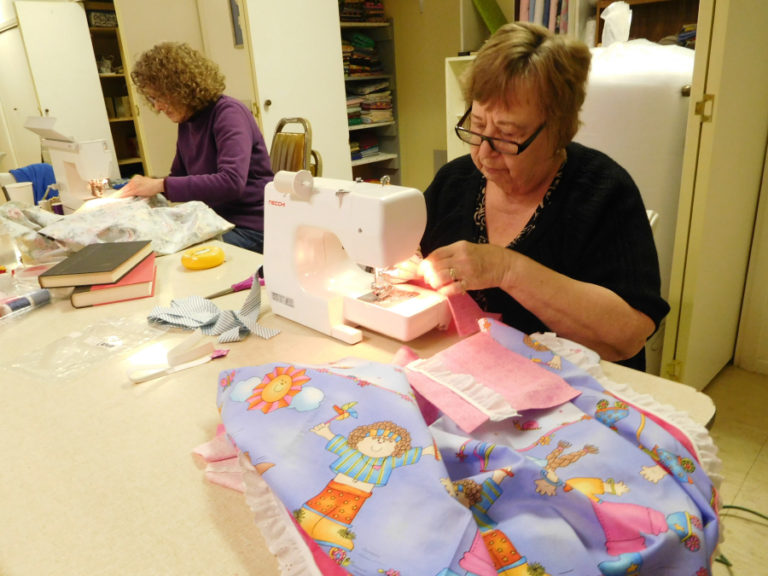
point(30, 300)
point(297, 184)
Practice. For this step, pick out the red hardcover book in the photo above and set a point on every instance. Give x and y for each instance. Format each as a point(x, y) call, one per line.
point(138, 283)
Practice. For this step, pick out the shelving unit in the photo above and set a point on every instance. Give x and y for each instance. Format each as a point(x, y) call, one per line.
point(387, 161)
point(652, 19)
point(118, 98)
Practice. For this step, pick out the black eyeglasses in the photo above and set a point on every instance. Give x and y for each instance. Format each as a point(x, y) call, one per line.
point(497, 144)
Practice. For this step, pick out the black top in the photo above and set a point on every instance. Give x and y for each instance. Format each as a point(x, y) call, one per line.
point(592, 226)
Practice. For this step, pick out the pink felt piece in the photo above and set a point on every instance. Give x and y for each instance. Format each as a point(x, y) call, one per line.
point(466, 313)
point(404, 356)
point(466, 416)
point(523, 383)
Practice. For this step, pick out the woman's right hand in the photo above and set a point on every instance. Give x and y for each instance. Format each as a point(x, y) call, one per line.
point(404, 271)
point(142, 186)
point(463, 266)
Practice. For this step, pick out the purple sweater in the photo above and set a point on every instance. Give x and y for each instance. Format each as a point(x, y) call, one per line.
point(222, 160)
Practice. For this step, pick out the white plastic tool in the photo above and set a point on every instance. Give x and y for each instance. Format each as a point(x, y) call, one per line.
point(192, 351)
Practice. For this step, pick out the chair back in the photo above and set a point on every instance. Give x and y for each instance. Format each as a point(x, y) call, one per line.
point(292, 150)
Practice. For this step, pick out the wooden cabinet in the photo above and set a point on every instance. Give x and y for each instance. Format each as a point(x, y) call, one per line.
point(115, 87)
point(374, 142)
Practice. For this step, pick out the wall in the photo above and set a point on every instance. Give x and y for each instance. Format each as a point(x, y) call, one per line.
point(434, 30)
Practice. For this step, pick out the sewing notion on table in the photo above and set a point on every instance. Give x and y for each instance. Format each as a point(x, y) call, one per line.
point(322, 235)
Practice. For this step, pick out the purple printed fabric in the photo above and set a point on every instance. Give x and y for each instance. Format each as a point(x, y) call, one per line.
point(591, 486)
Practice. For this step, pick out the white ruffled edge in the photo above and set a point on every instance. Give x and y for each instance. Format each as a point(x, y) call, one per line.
point(276, 526)
point(474, 393)
point(588, 360)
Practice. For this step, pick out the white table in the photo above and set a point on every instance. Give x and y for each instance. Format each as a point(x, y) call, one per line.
point(97, 475)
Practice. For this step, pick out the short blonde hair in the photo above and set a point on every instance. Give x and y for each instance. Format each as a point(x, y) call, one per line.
point(180, 74)
point(528, 57)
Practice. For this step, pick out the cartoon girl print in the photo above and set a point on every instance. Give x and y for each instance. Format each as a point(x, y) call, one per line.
point(479, 498)
point(680, 467)
point(549, 482)
point(365, 460)
point(611, 415)
point(625, 525)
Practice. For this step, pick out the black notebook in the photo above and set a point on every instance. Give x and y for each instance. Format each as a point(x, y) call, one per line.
point(102, 263)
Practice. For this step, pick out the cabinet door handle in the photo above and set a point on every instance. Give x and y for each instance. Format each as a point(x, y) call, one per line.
point(267, 103)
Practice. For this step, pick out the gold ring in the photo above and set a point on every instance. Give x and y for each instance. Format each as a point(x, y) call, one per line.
point(452, 273)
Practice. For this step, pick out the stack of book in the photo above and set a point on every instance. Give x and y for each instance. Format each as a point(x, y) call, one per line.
point(105, 272)
point(552, 14)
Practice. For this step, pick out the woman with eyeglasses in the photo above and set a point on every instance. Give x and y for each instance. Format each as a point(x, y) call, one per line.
point(221, 158)
point(549, 233)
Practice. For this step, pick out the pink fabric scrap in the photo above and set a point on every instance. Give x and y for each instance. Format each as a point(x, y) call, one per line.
point(466, 312)
point(521, 382)
point(220, 458)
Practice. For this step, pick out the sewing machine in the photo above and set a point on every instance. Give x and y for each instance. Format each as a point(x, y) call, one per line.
point(318, 235)
point(82, 169)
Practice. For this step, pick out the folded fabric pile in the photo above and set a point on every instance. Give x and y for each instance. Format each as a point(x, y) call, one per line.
point(377, 107)
point(364, 146)
point(354, 110)
point(375, 101)
point(361, 11)
point(374, 11)
point(364, 58)
point(352, 10)
point(346, 54)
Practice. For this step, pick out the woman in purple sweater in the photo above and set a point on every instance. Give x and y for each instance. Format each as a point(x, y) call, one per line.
point(221, 158)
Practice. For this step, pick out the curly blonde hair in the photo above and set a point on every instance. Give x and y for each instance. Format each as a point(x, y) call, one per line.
point(180, 74)
point(528, 57)
point(388, 429)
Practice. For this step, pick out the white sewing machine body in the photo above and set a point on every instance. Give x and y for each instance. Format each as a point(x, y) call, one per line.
point(317, 234)
point(82, 169)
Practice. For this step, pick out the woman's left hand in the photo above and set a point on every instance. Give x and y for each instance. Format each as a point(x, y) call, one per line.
point(463, 266)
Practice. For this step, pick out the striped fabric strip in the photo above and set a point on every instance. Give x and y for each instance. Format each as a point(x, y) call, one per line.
point(197, 312)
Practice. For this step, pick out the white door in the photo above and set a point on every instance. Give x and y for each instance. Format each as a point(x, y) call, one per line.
point(144, 23)
point(223, 27)
point(63, 67)
point(752, 345)
point(17, 95)
point(299, 69)
point(722, 169)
